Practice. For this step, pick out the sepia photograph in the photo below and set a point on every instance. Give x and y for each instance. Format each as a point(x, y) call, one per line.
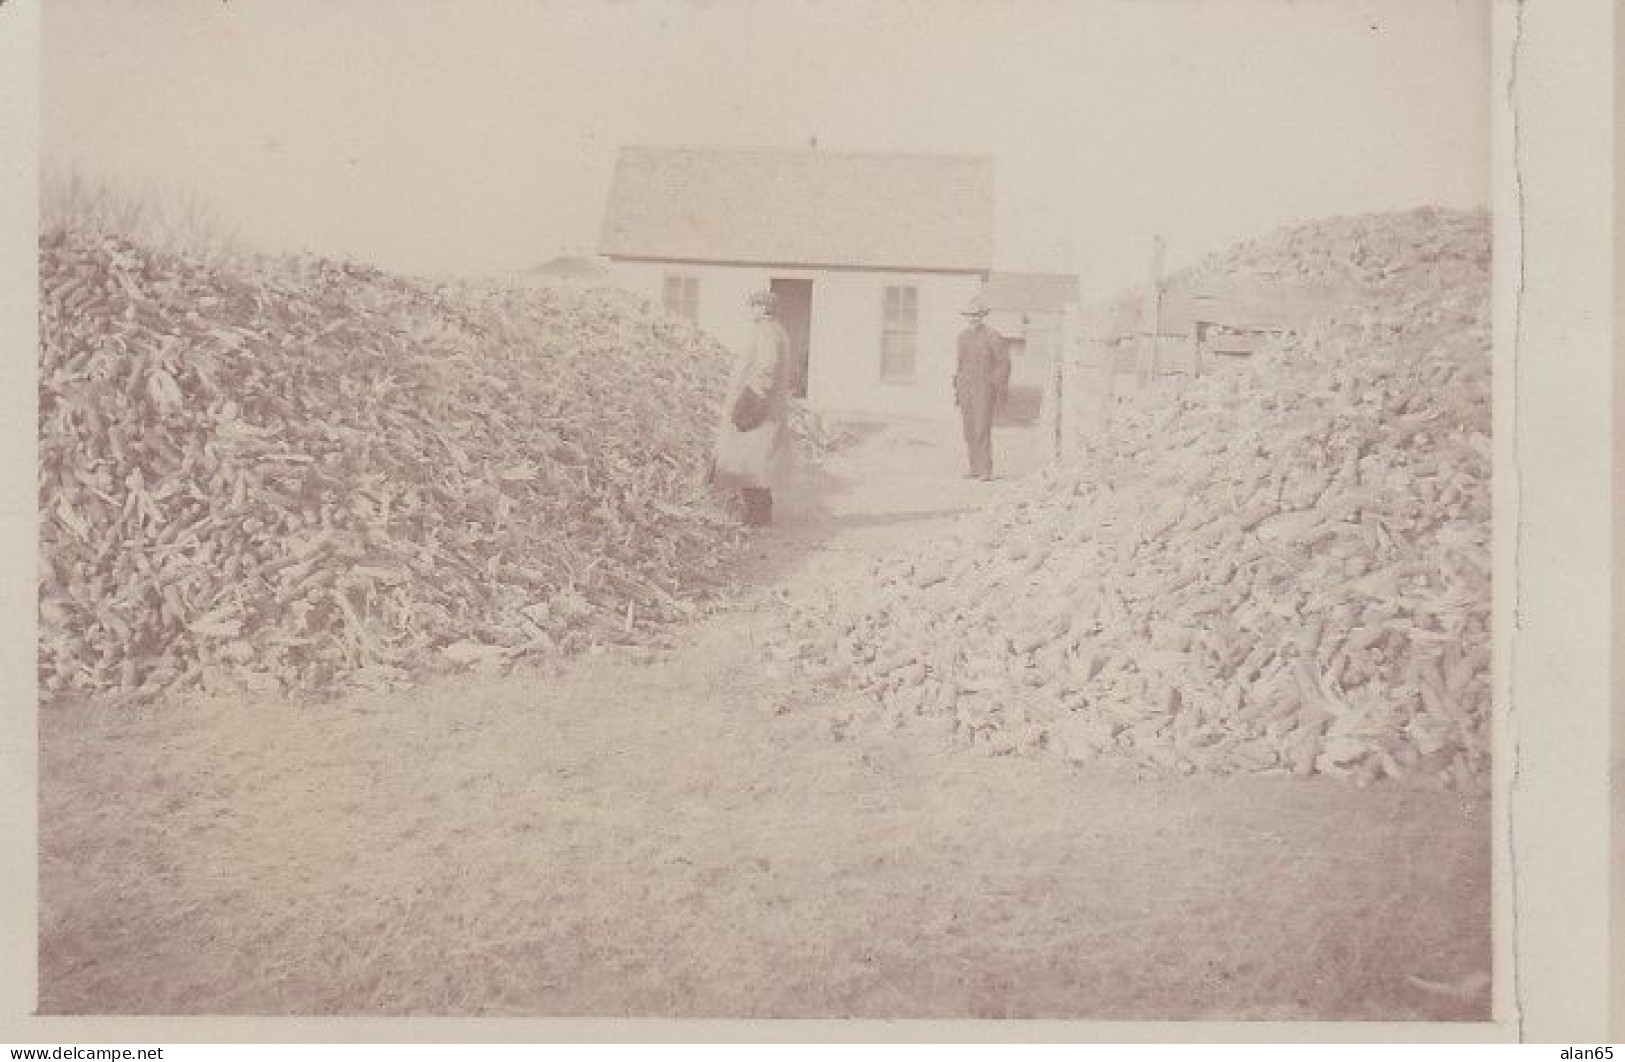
point(739, 509)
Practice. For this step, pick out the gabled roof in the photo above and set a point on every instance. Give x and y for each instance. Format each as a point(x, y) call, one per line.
point(1031, 292)
point(802, 207)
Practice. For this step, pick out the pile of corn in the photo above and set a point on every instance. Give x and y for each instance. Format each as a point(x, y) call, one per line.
point(1440, 249)
point(299, 476)
point(1282, 566)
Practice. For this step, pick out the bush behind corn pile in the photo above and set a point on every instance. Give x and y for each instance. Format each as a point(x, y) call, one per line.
point(1281, 566)
point(299, 475)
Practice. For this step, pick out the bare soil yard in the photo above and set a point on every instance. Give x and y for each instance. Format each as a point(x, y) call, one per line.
point(670, 835)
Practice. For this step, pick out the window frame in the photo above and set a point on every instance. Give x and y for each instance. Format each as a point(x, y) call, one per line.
point(899, 322)
point(685, 303)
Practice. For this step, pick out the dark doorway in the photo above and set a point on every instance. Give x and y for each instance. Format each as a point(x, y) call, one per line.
point(795, 314)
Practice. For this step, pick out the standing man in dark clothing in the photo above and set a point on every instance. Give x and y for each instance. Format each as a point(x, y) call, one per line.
point(981, 383)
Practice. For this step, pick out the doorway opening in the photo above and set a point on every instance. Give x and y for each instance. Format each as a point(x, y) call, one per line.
point(795, 314)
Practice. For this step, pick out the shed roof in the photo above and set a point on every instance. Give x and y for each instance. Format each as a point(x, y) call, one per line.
point(1256, 305)
point(1031, 292)
point(802, 207)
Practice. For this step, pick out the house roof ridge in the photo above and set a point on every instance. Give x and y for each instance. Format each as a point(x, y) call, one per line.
point(895, 209)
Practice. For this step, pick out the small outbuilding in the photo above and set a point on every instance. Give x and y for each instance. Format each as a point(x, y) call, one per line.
point(1028, 309)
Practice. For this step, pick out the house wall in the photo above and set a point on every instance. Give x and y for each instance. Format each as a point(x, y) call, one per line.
point(847, 310)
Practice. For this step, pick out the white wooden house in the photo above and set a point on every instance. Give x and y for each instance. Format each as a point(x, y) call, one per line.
point(873, 256)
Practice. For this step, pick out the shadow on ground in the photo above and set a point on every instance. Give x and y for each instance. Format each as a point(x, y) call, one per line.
point(890, 483)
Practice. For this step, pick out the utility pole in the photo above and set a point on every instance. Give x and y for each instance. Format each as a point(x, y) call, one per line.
point(1063, 377)
point(1145, 369)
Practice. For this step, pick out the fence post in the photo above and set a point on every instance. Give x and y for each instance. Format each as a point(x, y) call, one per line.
point(1100, 355)
point(1086, 366)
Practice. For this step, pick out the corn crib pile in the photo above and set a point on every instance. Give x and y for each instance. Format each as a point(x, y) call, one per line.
point(1444, 250)
point(295, 476)
point(1282, 566)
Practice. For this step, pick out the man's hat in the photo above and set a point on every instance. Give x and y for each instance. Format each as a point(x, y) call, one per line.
point(765, 300)
point(976, 307)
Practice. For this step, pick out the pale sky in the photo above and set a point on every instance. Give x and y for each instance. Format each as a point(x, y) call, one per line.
point(478, 137)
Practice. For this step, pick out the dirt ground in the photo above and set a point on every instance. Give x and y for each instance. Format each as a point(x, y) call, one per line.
point(669, 835)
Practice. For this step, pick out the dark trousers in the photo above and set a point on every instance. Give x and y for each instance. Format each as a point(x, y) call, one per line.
point(976, 410)
point(758, 505)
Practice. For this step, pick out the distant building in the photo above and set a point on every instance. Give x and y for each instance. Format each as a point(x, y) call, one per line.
point(873, 255)
point(1200, 322)
point(576, 270)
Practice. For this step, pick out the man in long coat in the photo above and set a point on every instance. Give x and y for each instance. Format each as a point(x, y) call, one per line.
point(981, 384)
point(753, 433)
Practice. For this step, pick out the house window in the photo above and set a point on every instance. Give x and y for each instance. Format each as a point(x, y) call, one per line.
point(682, 296)
point(899, 333)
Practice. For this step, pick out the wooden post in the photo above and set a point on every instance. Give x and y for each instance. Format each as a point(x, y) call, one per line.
point(1057, 371)
point(1062, 424)
point(1086, 364)
point(1100, 360)
point(1150, 319)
